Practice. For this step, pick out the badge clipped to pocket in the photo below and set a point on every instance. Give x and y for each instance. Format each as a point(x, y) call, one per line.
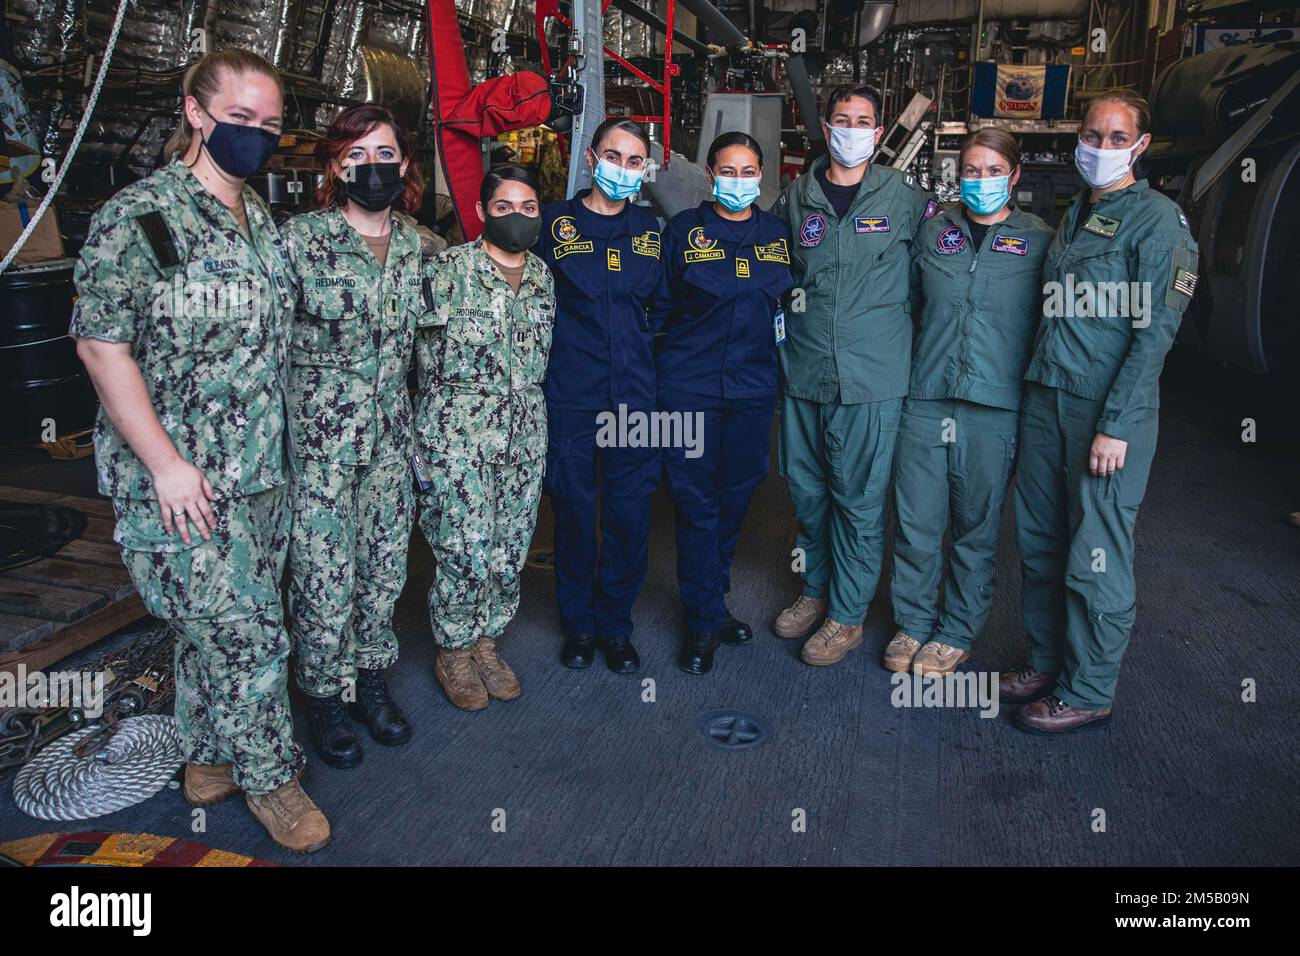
point(778, 325)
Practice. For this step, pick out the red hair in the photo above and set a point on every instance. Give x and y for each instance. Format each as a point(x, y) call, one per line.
point(357, 122)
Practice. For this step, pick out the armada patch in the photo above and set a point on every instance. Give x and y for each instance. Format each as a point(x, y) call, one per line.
point(1184, 282)
point(1102, 225)
point(812, 230)
point(950, 241)
point(871, 224)
point(1011, 244)
point(646, 244)
point(742, 268)
point(776, 251)
point(613, 260)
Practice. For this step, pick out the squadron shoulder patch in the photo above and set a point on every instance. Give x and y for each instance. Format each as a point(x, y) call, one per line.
point(950, 241)
point(812, 230)
point(1012, 244)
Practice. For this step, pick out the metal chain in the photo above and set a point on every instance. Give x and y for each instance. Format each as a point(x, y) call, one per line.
point(76, 140)
point(136, 762)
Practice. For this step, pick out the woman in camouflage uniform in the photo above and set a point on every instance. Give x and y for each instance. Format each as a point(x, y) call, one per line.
point(358, 268)
point(184, 301)
point(481, 427)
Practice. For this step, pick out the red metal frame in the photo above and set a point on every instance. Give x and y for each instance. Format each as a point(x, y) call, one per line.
point(550, 9)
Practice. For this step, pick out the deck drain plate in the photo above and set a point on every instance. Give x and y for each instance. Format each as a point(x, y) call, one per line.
point(732, 730)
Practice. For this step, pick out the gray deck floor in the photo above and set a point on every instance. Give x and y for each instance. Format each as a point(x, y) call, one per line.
point(588, 773)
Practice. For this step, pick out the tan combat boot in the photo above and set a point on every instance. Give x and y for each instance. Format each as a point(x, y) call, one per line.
point(290, 817)
point(499, 680)
point(938, 658)
point(800, 618)
point(206, 784)
point(459, 678)
point(831, 642)
point(900, 651)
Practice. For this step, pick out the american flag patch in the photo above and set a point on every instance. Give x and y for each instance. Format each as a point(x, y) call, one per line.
point(1185, 282)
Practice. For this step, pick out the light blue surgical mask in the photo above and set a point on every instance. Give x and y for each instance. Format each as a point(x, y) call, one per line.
point(616, 182)
point(986, 196)
point(737, 193)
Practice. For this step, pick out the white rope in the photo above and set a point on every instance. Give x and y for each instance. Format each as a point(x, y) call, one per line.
point(134, 764)
point(76, 139)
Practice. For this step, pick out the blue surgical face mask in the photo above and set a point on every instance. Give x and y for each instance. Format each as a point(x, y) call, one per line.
point(737, 193)
point(616, 182)
point(986, 196)
point(239, 151)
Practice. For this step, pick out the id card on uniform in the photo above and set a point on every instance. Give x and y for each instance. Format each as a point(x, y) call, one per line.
point(778, 325)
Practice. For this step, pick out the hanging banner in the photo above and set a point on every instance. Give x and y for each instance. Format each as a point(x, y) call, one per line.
point(1020, 91)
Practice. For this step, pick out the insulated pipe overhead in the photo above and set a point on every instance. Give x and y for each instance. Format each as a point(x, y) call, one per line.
point(637, 12)
point(721, 29)
point(912, 12)
point(797, 70)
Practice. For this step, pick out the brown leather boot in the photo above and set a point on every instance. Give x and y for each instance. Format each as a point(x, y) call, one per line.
point(290, 817)
point(1051, 715)
point(900, 651)
point(1024, 683)
point(801, 617)
point(206, 784)
point(459, 678)
point(936, 657)
point(498, 679)
point(831, 642)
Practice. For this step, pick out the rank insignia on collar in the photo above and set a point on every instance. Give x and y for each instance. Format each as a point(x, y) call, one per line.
point(1102, 225)
point(1010, 244)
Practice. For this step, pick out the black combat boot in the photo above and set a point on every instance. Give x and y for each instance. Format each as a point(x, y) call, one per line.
point(335, 740)
point(735, 632)
point(620, 656)
point(578, 651)
point(375, 708)
point(697, 652)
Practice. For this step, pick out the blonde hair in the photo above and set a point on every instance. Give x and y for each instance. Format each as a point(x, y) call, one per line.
point(203, 81)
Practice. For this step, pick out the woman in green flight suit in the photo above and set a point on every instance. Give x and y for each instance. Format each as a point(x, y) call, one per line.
point(977, 275)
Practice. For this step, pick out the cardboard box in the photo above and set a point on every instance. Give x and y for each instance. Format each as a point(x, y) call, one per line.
point(43, 245)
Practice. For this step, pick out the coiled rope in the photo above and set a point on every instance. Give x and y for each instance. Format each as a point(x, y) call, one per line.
point(135, 763)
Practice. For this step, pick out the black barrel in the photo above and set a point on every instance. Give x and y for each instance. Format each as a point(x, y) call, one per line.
point(41, 377)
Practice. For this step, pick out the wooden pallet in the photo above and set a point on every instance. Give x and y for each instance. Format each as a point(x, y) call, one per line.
point(60, 604)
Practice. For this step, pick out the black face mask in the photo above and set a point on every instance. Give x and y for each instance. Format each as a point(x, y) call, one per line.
point(513, 232)
point(238, 150)
point(374, 186)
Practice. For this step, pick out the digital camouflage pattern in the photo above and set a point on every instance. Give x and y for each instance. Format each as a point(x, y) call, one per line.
point(347, 566)
point(222, 598)
point(482, 355)
point(353, 331)
point(478, 518)
point(481, 427)
point(210, 334)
